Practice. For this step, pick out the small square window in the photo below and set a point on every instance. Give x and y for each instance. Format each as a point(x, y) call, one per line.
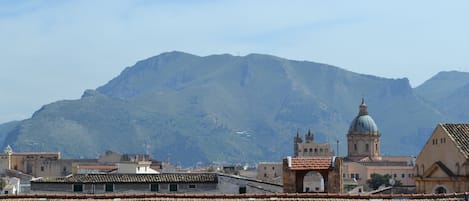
point(191, 185)
point(173, 187)
point(77, 187)
point(109, 188)
point(154, 187)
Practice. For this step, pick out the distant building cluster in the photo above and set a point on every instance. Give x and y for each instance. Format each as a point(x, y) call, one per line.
point(441, 167)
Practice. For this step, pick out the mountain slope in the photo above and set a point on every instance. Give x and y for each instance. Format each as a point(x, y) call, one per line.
point(449, 92)
point(224, 108)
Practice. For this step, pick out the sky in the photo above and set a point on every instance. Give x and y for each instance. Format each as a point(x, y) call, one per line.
point(54, 50)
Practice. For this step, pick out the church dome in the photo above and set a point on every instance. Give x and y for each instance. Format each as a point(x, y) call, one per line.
point(363, 123)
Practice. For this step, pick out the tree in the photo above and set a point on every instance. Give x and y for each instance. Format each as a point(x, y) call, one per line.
point(378, 180)
point(2, 183)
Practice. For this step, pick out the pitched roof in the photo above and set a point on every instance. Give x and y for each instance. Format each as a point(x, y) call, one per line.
point(134, 178)
point(435, 166)
point(236, 197)
point(313, 163)
point(459, 133)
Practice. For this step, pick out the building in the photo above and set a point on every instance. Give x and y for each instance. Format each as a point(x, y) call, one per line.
point(137, 167)
point(310, 148)
point(238, 197)
point(38, 164)
point(312, 174)
point(364, 158)
point(442, 165)
point(270, 172)
point(128, 183)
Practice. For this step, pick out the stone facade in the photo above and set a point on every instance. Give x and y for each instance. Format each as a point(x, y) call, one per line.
point(442, 165)
point(310, 148)
point(270, 172)
point(295, 170)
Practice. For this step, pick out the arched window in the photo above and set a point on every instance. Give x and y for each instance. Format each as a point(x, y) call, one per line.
point(440, 189)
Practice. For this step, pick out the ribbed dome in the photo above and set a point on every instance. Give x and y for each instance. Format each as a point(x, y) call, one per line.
point(363, 123)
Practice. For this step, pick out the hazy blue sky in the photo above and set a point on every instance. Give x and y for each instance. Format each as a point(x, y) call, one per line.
point(54, 50)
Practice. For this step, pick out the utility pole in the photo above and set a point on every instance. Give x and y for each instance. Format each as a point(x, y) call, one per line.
point(337, 146)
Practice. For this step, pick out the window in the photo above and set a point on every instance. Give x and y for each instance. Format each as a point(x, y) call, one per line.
point(367, 147)
point(316, 150)
point(355, 147)
point(77, 187)
point(242, 190)
point(402, 175)
point(265, 175)
point(273, 168)
point(109, 188)
point(154, 187)
point(42, 168)
point(173, 187)
point(192, 186)
point(310, 149)
point(395, 175)
point(265, 167)
point(305, 150)
point(320, 150)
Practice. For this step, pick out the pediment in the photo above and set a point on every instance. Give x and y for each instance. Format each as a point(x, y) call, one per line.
point(438, 170)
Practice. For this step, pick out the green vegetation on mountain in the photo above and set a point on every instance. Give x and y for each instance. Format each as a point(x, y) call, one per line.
point(225, 108)
point(449, 93)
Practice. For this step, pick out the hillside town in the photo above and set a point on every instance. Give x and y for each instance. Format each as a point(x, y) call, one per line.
point(312, 169)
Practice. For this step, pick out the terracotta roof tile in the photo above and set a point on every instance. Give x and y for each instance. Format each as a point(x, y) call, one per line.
point(233, 197)
point(134, 178)
point(313, 163)
point(460, 135)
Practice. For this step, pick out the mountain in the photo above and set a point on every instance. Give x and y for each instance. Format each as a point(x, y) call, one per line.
point(187, 109)
point(7, 127)
point(449, 92)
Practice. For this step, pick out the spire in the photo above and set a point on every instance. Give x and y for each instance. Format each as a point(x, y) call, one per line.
point(363, 108)
point(297, 138)
point(309, 137)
